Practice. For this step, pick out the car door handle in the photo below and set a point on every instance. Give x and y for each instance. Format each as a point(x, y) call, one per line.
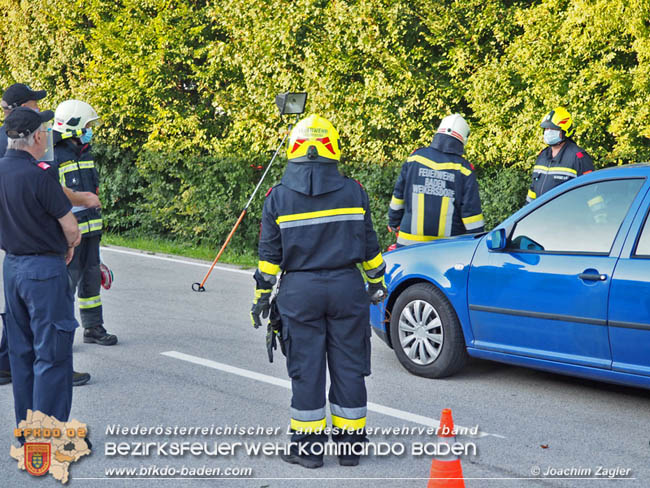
point(592, 277)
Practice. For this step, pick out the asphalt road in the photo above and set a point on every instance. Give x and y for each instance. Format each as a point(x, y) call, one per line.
point(191, 359)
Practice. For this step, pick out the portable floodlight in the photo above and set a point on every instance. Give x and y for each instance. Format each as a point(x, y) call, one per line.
point(291, 103)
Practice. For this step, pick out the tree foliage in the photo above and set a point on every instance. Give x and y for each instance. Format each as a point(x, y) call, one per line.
point(186, 88)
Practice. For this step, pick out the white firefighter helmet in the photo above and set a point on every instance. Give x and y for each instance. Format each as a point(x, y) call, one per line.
point(455, 126)
point(72, 115)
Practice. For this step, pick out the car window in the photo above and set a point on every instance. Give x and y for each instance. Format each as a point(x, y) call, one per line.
point(643, 246)
point(583, 220)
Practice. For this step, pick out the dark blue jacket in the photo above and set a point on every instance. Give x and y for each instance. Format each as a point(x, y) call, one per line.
point(317, 219)
point(549, 171)
point(76, 170)
point(436, 194)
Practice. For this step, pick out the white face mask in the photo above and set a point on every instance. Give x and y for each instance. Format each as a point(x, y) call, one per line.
point(552, 136)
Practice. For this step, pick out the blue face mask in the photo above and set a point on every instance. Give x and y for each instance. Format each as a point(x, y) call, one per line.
point(552, 136)
point(87, 136)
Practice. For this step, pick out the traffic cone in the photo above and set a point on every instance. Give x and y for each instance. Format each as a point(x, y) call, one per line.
point(446, 471)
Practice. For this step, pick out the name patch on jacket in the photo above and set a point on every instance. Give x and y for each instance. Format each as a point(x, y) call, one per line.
point(434, 183)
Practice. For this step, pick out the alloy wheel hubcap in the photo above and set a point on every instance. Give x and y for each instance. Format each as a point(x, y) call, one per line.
point(420, 332)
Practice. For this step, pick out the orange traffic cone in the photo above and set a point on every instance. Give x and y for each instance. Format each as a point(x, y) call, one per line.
point(446, 471)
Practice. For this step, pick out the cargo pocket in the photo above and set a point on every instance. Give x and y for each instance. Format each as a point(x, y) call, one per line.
point(57, 341)
point(293, 363)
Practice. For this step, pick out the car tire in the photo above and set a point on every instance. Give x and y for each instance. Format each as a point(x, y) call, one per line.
point(422, 314)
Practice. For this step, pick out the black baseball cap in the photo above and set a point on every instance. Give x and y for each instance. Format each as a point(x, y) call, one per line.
point(24, 121)
point(19, 93)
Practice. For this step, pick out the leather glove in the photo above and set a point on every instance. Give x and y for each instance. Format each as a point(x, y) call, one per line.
point(274, 332)
point(261, 306)
point(377, 292)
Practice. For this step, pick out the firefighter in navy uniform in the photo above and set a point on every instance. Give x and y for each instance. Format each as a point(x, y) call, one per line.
point(316, 227)
point(73, 122)
point(17, 95)
point(562, 160)
point(436, 194)
point(38, 232)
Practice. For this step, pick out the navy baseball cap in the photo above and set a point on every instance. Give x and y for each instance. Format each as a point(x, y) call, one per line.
point(24, 121)
point(19, 93)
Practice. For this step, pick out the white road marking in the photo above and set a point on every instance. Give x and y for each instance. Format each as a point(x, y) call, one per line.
point(172, 260)
point(373, 407)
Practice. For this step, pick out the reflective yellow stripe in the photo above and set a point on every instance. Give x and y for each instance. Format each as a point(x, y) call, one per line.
point(420, 223)
point(259, 292)
point(91, 225)
point(95, 224)
point(348, 424)
point(440, 166)
point(91, 302)
point(412, 237)
point(396, 201)
point(68, 135)
point(442, 222)
point(532, 194)
point(552, 169)
point(321, 213)
point(376, 280)
point(268, 268)
point(86, 164)
point(312, 426)
point(373, 263)
point(472, 219)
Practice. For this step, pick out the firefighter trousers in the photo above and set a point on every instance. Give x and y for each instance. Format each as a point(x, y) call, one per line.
point(86, 279)
point(325, 324)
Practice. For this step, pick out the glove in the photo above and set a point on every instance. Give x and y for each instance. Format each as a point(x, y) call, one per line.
point(261, 306)
point(377, 292)
point(274, 332)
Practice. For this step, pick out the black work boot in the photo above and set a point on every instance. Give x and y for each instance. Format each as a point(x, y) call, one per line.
point(303, 461)
point(98, 335)
point(5, 377)
point(79, 379)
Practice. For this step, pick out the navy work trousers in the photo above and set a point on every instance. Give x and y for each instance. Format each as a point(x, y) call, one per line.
point(326, 324)
point(40, 328)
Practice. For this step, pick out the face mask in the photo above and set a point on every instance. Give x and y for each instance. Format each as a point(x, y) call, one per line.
point(552, 136)
point(87, 136)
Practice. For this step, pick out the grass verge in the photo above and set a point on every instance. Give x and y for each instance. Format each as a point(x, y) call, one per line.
point(169, 246)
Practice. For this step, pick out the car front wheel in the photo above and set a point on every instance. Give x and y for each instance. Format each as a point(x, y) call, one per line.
point(426, 334)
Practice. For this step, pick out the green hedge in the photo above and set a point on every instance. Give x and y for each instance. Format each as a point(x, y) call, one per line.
point(186, 90)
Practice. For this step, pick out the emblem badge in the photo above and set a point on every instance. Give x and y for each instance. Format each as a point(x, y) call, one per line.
point(37, 458)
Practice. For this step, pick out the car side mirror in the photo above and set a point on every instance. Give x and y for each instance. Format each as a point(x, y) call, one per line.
point(496, 240)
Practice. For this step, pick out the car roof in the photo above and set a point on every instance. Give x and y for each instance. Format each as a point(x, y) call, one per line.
point(625, 170)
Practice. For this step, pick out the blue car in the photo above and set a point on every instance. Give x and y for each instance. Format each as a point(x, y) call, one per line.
point(563, 285)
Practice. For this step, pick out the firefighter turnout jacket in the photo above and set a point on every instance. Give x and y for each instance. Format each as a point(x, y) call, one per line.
point(436, 194)
point(76, 170)
point(317, 219)
point(549, 171)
